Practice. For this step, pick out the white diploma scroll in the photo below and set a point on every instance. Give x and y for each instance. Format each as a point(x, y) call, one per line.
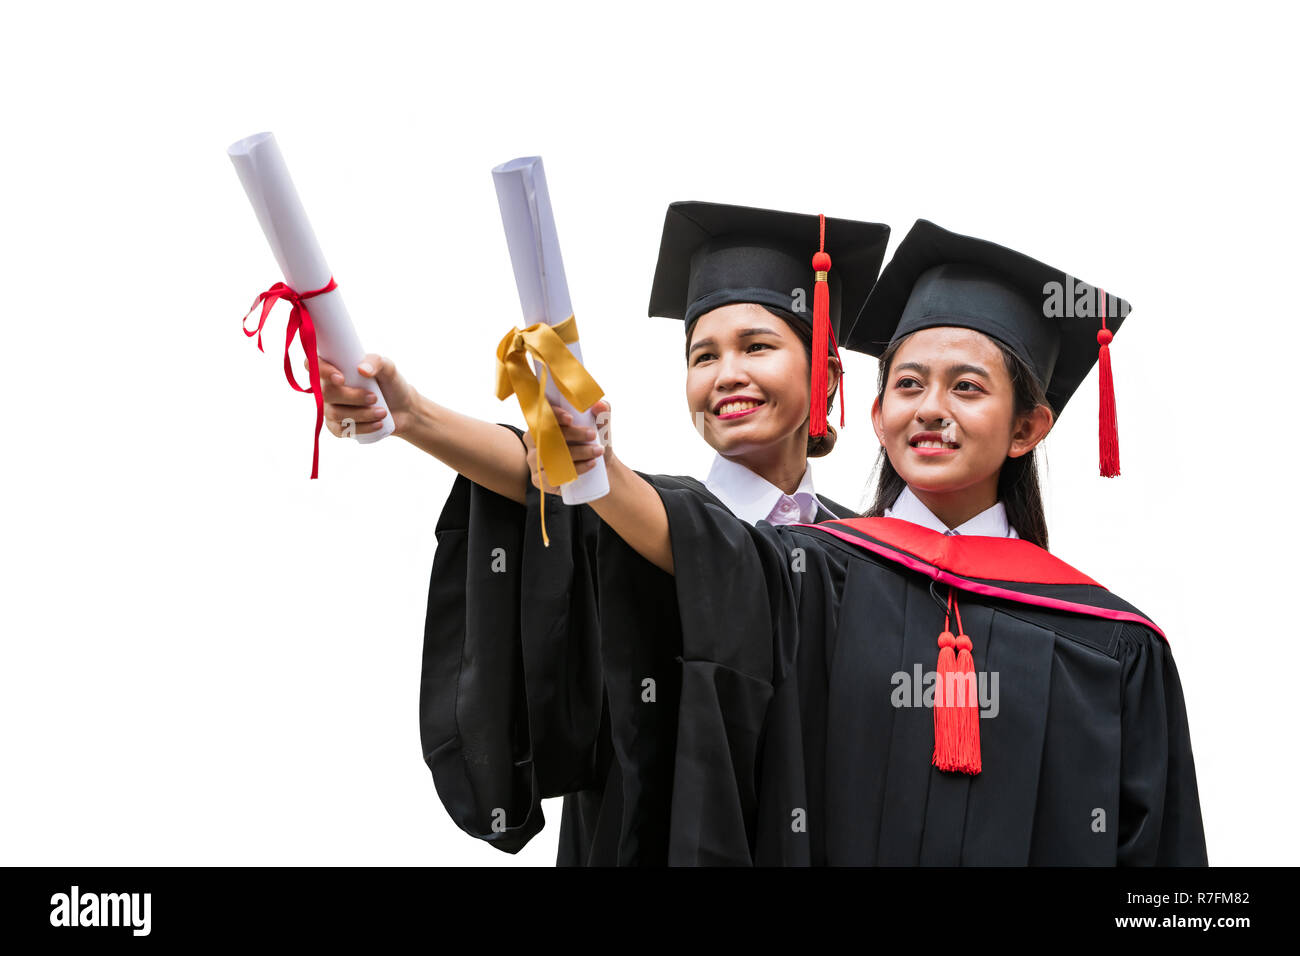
point(543, 291)
point(266, 180)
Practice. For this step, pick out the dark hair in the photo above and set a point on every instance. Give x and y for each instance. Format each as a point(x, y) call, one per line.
point(1018, 486)
point(821, 445)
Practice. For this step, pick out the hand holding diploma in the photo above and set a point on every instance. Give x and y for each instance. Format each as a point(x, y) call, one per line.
point(551, 336)
point(318, 313)
point(589, 446)
point(351, 411)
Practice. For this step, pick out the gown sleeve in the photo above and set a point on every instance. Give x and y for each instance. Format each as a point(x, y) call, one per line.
point(1160, 811)
point(737, 605)
point(511, 698)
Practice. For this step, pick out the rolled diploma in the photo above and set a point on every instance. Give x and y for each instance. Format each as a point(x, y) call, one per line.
point(543, 291)
point(266, 179)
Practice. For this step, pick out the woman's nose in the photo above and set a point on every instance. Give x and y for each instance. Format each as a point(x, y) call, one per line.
point(731, 371)
point(933, 406)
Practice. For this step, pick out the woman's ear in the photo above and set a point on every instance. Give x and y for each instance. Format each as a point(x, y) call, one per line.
point(833, 372)
point(876, 420)
point(1030, 430)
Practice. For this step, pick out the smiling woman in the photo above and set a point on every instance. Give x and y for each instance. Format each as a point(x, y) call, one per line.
point(533, 684)
point(934, 470)
point(743, 358)
point(742, 281)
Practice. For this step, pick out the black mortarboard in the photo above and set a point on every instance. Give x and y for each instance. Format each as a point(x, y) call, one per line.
point(713, 255)
point(1057, 324)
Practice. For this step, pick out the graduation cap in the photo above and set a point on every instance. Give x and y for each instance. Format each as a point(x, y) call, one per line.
point(713, 255)
point(1060, 326)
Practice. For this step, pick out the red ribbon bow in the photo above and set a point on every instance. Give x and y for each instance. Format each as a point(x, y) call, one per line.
point(300, 323)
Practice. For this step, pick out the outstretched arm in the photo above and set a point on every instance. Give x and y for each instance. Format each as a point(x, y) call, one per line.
point(632, 509)
point(483, 452)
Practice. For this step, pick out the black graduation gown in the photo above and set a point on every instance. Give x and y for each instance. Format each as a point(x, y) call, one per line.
point(533, 685)
point(795, 747)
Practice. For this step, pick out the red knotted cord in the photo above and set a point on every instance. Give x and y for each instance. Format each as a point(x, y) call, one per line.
point(300, 323)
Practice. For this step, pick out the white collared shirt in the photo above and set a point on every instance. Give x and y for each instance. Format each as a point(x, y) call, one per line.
point(991, 522)
point(752, 498)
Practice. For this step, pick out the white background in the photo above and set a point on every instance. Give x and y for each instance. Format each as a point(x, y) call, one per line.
point(210, 659)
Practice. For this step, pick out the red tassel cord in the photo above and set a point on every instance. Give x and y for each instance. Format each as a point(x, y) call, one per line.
point(836, 346)
point(1107, 427)
point(822, 333)
point(300, 323)
point(956, 701)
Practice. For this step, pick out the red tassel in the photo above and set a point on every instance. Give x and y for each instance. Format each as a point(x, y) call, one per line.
point(821, 264)
point(945, 717)
point(968, 711)
point(956, 703)
point(1108, 427)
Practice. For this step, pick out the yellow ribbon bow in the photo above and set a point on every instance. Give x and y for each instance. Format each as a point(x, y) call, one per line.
point(548, 344)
